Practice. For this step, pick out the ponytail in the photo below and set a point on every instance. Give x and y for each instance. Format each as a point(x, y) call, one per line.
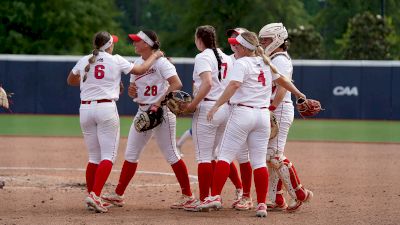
point(260, 52)
point(219, 62)
point(92, 59)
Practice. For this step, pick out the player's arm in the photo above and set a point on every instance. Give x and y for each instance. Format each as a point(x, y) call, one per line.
point(141, 69)
point(174, 84)
point(205, 87)
point(73, 79)
point(280, 94)
point(226, 95)
point(288, 85)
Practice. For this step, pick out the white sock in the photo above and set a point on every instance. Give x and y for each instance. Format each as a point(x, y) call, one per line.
point(185, 136)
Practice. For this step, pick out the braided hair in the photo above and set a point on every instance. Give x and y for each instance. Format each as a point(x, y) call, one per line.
point(208, 36)
point(99, 39)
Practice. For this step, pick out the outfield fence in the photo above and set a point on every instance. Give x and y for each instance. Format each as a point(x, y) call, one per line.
point(347, 89)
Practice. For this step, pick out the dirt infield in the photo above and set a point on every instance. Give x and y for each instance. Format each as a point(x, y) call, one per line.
point(45, 184)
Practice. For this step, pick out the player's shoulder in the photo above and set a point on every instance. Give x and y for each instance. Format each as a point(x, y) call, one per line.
point(282, 57)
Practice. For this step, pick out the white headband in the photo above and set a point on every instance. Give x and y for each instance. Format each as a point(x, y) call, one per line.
point(145, 38)
point(245, 43)
point(107, 45)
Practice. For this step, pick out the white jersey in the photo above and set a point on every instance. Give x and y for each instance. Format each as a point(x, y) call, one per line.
point(206, 61)
point(153, 84)
point(284, 65)
point(256, 79)
point(102, 80)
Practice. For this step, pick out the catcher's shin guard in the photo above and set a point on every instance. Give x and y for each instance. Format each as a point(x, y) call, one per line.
point(287, 173)
point(273, 180)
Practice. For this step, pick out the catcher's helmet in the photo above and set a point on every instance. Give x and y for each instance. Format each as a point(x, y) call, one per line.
point(277, 32)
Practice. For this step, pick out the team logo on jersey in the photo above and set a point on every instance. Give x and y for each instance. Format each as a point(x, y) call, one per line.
point(99, 60)
point(150, 71)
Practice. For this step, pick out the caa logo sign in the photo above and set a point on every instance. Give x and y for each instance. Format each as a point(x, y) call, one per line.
point(341, 91)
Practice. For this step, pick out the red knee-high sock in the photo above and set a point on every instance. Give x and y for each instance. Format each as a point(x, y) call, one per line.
point(127, 173)
point(261, 183)
point(279, 200)
point(246, 173)
point(90, 175)
point(182, 175)
point(221, 174)
point(102, 173)
point(213, 164)
point(204, 171)
point(234, 176)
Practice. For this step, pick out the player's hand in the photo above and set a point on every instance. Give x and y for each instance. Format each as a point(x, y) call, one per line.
point(158, 53)
point(132, 90)
point(210, 114)
point(301, 95)
point(188, 108)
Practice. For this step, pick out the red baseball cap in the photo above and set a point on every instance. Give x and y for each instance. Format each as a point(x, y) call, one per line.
point(115, 38)
point(141, 36)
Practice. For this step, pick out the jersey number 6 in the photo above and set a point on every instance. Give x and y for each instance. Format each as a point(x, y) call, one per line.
point(99, 71)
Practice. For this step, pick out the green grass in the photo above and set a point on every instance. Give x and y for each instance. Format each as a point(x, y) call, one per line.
point(306, 130)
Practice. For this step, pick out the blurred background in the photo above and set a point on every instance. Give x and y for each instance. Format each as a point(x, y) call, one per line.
point(319, 29)
point(345, 53)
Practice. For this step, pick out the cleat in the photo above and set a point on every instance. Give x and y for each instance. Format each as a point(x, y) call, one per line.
point(96, 203)
point(213, 202)
point(245, 203)
point(114, 198)
point(238, 196)
point(194, 207)
point(272, 206)
point(261, 210)
point(294, 204)
point(183, 200)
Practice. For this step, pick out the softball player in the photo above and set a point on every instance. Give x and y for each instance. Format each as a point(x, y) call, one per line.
point(273, 38)
point(152, 87)
point(248, 92)
point(245, 202)
point(99, 76)
point(210, 69)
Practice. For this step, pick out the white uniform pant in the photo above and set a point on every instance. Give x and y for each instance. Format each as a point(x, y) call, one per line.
point(207, 135)
point(100, 127)
point(284, 114)
point(165, 134)
point(247, 128)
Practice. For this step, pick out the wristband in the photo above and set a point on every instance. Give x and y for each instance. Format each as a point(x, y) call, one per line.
point(271, 108)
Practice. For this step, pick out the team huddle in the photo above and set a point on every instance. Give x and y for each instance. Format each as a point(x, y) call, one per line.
point(233, 97)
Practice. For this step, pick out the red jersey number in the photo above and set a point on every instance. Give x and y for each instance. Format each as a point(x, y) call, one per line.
point(99, 71)
point(150, 91)
point(225, 67)
point(261, 78)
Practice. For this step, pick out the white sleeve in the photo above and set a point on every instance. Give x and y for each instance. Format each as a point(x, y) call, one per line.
point(238, 72)
point(167, 69)
point(79, 68)
point(202, 64)
point(124, 64)
point(274, 75)
point(283, 65)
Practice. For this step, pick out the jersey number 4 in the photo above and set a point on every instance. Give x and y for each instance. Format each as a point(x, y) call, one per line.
point(99, 71)
point(261, 78)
